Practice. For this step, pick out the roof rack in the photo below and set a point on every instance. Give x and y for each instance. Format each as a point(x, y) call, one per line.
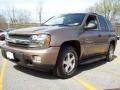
point(93, 13)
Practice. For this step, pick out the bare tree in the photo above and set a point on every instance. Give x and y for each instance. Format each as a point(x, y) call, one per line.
point(108, 8)
point(3, 22)
point(18, 17)
point(40, 10)
point(23, 17)
point(11, 14)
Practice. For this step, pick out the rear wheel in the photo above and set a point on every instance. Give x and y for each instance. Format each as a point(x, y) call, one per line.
point(110, 53)
point(67, 62)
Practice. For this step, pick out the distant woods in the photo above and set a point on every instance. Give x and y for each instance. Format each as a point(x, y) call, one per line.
point(19, 18)
point(14, 18)
point(108, 8)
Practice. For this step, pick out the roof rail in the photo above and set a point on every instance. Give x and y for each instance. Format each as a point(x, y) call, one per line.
point(93, 13)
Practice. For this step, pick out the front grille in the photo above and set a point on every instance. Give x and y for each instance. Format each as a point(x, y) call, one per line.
point(17, 44)
point(22, 37)
point(18, 40)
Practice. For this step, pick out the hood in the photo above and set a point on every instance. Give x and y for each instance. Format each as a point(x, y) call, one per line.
point(35, 30)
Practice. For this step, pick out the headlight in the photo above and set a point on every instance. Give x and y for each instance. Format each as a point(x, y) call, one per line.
point(42, 40)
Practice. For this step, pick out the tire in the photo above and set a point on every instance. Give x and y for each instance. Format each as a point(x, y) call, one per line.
point(67, 62)
point(110, 53)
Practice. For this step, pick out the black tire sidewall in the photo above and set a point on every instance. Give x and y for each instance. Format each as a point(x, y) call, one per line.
point(60, 70)
point(108, 58)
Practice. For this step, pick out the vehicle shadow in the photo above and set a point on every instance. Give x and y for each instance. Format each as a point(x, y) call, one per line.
point(49, 75)
point(82, 68)
point(36, 73)
point(113, 89)
point(86, 67)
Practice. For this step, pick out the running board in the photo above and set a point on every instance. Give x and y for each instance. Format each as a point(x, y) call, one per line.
point(87, 61)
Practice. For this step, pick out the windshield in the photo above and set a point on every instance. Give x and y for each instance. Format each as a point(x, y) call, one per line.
point(66, 20)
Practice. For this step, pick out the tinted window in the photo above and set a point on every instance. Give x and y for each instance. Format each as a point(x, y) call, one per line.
point(92, 19)
point(67, 19)
point(110, 25)
point(103, 23)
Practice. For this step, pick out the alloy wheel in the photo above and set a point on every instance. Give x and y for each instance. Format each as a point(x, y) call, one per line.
point(69, 62)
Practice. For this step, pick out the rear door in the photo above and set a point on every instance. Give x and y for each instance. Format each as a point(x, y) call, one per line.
point(105, 33)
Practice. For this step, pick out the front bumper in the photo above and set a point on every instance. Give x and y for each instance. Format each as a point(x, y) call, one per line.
point(25, 57)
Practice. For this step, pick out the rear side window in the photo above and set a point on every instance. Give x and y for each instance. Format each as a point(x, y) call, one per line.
point(110, 25)
point(103, 23)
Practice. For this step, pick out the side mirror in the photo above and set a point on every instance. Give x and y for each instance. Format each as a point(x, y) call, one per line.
point(91, 25)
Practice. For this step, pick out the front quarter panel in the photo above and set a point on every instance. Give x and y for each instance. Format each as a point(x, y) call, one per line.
point(65, 34)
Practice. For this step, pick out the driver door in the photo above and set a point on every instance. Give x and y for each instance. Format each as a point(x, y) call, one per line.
point(91, 38)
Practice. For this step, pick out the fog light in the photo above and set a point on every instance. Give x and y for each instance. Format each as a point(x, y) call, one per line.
point(37, 59)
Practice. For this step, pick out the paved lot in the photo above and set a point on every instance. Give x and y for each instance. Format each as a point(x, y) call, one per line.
point(96, 76)
point(1, 42)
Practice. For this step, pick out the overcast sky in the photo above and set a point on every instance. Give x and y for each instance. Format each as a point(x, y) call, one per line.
point(50, 7)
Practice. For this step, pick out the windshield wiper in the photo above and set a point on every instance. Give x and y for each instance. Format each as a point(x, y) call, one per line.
point(45, 25)
point(60, 25)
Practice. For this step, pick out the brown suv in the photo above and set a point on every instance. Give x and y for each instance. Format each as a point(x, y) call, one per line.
point(62, 43)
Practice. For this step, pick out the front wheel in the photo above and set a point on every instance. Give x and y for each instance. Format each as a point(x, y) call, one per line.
point(110, 53)
point(67, 62)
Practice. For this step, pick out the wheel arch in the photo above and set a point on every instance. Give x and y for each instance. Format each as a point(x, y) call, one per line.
point(75, 44)
point(113, 42)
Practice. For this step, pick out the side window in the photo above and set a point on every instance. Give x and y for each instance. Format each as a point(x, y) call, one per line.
point(110, 25)
point(103, 23)
point(92, 19)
